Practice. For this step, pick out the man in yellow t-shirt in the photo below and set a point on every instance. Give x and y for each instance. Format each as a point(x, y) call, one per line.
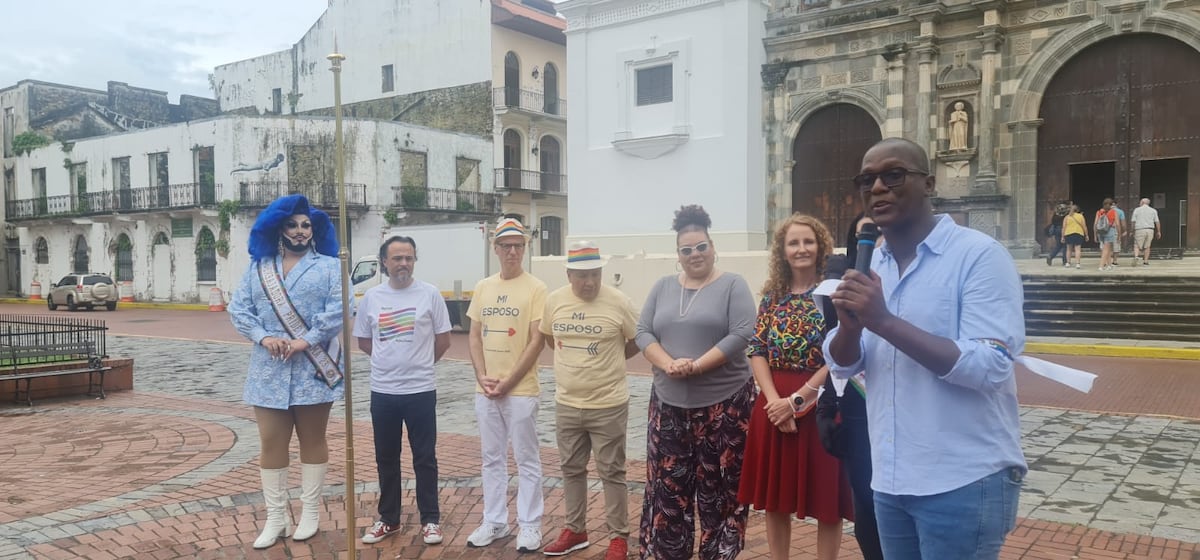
point(505, 312)
point(590, 327)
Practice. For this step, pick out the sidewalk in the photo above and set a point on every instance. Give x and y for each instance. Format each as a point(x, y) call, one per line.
point(170, 471)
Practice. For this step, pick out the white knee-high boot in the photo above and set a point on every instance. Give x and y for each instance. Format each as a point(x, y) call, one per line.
point(312, 477)
point(279, 523)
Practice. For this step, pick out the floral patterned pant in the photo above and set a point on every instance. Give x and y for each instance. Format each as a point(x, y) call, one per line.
point(694, 462)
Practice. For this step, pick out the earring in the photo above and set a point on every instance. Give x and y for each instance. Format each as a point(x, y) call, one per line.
point(280, 245)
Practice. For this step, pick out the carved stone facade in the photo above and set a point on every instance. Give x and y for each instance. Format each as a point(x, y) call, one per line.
point(908, 64)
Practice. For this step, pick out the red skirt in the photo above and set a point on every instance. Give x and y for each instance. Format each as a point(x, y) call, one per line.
point(792, 473)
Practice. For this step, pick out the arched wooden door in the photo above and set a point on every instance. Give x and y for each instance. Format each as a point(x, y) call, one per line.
point(1119, 121)
point(827, 153)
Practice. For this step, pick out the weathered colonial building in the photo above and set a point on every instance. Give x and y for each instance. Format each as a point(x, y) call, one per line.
point(168, 209)
point(495, 69)
point(1021, 105)
point(453, 112)
point(38, 113)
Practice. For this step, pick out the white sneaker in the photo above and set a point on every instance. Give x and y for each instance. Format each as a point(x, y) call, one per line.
point(486, 534)
point(529, 539)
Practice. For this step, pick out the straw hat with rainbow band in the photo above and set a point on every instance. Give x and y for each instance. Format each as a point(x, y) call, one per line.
point(509, 227)
point(584, 255)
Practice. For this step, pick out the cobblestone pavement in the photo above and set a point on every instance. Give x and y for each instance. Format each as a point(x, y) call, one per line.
point(170, 471)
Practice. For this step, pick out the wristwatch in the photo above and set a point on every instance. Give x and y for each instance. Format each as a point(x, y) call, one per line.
point(797, 403)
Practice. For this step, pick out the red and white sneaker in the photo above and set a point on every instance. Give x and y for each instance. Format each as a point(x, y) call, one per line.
point(378, 532)
point(431, 533)
point(568, 541)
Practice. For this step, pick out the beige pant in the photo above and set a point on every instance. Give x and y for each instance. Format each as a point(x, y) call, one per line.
point(1142, 238)
point(583, 432)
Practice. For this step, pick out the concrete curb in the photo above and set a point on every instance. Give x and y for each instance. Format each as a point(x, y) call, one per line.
point(126, 304)
point(1113, 351)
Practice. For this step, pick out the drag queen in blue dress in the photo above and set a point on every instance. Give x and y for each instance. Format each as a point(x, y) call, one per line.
point(289, 305)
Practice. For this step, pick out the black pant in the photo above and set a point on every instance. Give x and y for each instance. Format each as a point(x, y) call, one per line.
point(1056, 233)
point(857, 464)
point(389, 415)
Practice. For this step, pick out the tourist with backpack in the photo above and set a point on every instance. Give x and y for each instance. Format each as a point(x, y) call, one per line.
point(1108, 231)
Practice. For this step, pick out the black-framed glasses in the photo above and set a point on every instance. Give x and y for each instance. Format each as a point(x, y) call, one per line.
point(891, 178)
point(510, 246)
point(701, 247)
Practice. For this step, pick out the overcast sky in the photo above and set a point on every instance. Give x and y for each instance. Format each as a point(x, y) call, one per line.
point(169, 45)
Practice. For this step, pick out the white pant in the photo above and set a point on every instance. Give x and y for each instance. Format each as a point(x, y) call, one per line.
point(500, 420)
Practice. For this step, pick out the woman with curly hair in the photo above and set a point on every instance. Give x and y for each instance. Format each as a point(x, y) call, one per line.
point(786, 471)
point(694, 329)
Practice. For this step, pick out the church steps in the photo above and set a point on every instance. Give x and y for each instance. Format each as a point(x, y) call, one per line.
point(1113, 306)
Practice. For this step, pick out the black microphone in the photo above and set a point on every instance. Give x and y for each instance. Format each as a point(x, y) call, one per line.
point(866, 246)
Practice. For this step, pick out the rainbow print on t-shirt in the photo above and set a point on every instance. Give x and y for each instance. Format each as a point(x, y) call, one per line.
point(397, 324)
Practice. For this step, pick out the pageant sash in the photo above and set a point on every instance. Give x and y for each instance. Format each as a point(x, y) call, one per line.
point(327, 367)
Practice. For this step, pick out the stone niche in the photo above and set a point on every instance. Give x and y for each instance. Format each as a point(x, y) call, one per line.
point(957, 83)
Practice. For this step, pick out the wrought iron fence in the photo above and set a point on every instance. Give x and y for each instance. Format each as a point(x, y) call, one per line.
point(142, 199)
point(262, 193)
point(40, 331)
point(415, 198)
point(537, 102)
point(529, 180)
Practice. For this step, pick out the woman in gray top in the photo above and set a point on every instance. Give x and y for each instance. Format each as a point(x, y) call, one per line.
point(694, 329)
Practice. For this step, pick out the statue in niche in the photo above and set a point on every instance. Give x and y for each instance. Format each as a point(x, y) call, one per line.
point(958, 127)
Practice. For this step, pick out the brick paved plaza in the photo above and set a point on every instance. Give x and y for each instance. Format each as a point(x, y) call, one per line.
point(170, 470)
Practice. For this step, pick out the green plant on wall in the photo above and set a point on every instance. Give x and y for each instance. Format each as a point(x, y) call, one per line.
point(225, 211)
point(391, 216)
point(28, 141)
point(204, 243)
point(414, 197)
point(465, 205)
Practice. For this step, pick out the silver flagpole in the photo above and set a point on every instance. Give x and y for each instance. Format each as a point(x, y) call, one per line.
point(339, 155)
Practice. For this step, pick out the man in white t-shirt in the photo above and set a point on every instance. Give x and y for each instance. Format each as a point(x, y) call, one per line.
point(404, 326)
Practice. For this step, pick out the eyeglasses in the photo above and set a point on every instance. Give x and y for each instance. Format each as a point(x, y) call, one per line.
point(701, 247)
point(510, 246)
point(891, 178)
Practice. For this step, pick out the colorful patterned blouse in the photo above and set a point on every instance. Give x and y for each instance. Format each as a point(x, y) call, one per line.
point(788, 333)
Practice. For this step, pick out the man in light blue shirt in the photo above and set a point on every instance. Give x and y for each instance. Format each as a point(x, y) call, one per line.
point(935, 326)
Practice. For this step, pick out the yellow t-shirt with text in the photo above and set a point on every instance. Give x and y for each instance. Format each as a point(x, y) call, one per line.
point(589, 346)
point(504, 309)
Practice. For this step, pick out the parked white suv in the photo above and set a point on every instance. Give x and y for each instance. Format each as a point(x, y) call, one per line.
point(83, 290)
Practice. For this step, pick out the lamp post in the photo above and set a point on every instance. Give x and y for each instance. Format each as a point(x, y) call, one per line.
point(335, 61)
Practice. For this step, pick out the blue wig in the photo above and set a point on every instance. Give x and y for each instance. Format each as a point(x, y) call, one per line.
point(264, 236)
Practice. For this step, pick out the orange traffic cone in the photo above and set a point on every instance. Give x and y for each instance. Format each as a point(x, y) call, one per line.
point(216, 301)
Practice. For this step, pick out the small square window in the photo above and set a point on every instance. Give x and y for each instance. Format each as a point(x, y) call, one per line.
point(654, 85)
point(389, 78)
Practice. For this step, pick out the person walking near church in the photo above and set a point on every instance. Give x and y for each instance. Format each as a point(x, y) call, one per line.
point(1145, 226)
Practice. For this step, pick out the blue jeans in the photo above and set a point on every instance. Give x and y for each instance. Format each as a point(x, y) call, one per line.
point(968, 523)
point(389, 415)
